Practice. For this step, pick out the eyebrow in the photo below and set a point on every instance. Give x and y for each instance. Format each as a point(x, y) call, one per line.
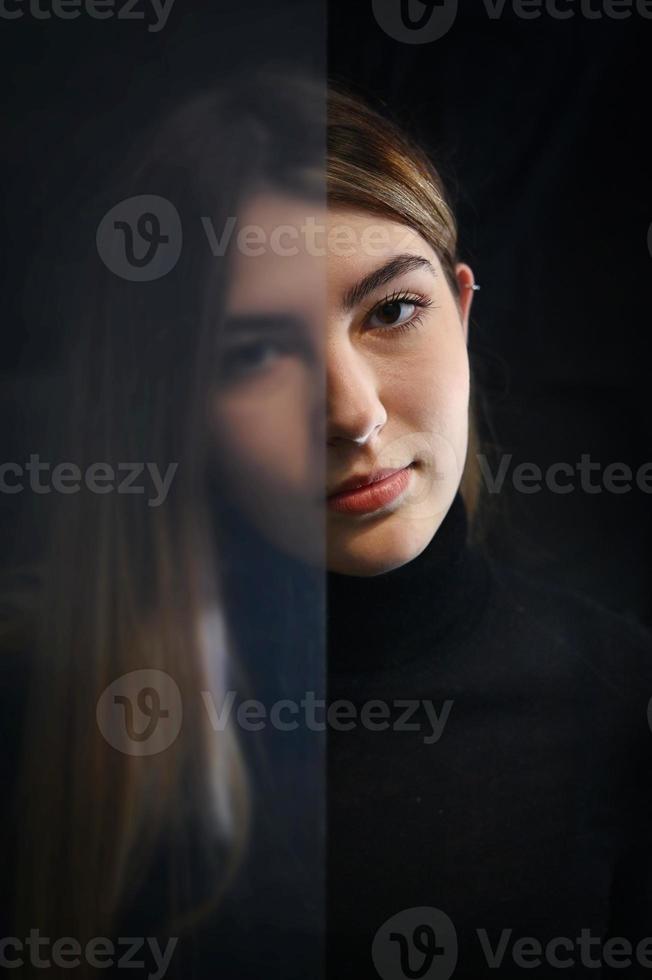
point(395, 267)
point(257, 323)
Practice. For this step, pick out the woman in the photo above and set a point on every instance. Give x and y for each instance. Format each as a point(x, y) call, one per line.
point(484, 811)
point(489, 752)
point(142, 802)
point(492, 813)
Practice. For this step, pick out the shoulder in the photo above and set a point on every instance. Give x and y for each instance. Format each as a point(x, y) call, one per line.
point(574, 613)
point(567, 636)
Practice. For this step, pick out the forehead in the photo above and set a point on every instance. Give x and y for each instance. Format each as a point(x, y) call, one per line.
point(361, 242)
point(274, 261)
point(287, 250)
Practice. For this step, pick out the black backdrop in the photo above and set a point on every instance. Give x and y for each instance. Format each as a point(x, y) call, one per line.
point(540, 126)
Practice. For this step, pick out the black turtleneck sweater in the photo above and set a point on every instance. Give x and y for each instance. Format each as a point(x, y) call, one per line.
point(504, 779)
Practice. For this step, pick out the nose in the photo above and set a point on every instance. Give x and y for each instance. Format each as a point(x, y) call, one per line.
point(354, 410)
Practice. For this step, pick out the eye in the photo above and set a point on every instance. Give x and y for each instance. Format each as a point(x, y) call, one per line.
point(398, 312)
point(250, 357)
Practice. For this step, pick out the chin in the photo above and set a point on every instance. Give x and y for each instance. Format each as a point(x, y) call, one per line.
point(378, 547)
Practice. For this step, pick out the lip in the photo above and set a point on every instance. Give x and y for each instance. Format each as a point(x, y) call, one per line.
point(364, 494)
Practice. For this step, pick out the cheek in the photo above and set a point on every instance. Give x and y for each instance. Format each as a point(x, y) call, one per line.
point(262, 429)
point(430, 391)
point(427, 398)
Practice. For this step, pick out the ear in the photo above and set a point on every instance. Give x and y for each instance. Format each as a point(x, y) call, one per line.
point(465, 279)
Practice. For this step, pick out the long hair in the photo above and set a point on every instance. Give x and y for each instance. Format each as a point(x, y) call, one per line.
point(127, 587)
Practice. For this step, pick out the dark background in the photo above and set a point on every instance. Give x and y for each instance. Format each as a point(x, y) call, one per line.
point(540, 128)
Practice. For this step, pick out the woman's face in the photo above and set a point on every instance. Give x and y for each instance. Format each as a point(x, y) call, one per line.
point(345, 358)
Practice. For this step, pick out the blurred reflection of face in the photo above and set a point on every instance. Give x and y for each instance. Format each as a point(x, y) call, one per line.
point(389, 340)
point(267, 406)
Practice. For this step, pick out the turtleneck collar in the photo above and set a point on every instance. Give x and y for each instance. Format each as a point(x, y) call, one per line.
point(382, 621)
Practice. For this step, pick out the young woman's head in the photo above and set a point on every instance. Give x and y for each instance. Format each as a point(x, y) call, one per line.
point(369, 297)
point(397, 364)
point(320, 339)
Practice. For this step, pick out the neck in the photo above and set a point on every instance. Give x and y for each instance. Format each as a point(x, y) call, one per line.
point(388, 620)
